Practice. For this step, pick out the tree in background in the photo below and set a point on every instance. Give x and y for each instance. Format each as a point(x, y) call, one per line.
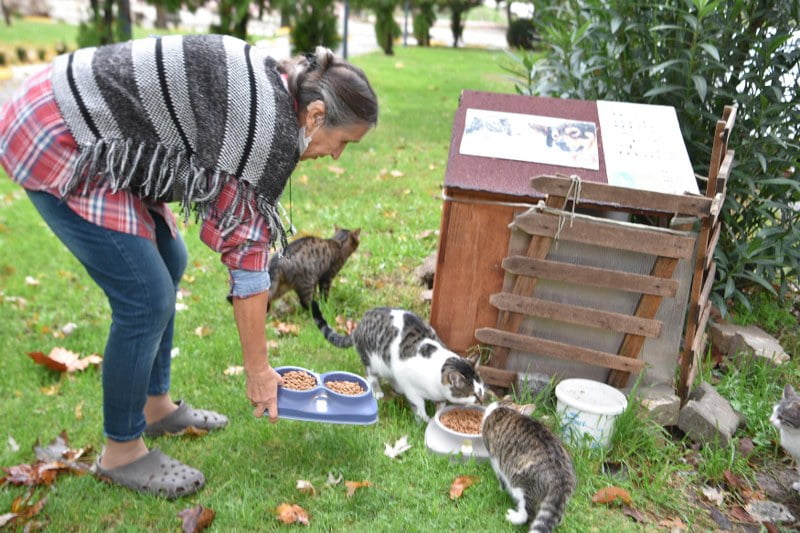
point(109, 22)
point(697, 57)
point(233, 18)
point(458, 14)
point(386, 28)
point(315, 25)
point(424, 17)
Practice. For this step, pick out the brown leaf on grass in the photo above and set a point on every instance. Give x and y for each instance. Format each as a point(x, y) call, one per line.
point(191, 431)
point(426, 233)
point(196, 518)
point(202, 331)
point(336, 170)
point(609, 495)
point(713, 495)
point(62, 360)
point(284, 328)
point(738, 513)
point(305, 487)
point(734, 482)
point(53, 459)
point(52, 390)
point(290, 513)
point(636, 514)
point(460, 484)
point(22, 511)
point(346, 324)
point(272, 344)
point(352, 486)
point(79, 411)
point(233, 370)
point(672, 524)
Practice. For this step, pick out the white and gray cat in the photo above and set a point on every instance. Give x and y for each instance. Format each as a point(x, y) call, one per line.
point(400, 347)
point(532, 465)
point(786, 417)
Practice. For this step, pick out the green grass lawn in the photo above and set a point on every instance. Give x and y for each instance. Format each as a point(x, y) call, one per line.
point(251, 467)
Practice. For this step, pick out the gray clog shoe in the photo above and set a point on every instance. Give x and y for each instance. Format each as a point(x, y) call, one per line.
point(184, 417)
point(156, 474)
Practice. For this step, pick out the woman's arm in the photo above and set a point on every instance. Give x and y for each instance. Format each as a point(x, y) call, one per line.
point(262, 381)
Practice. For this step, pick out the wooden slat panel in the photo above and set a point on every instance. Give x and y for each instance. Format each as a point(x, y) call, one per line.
point(712, 245)
point(574, 314)
point(622, 237)
point(625, 198)
point(558, 350)
point(496, 376)
point(648, 308)
point(592, 276)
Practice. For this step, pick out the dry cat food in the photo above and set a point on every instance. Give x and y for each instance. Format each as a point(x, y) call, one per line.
point(463, 420)
point(350, 388)
point(299, 380)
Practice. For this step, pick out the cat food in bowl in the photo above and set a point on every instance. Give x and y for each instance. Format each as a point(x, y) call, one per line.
point(461, 421)
point(345, 383)
point(298, 380)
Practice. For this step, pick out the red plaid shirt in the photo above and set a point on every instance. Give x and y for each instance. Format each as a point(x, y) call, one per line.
point(37, 151)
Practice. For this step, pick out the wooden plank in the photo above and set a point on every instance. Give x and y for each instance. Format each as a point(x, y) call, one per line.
point(496, 376)
point(648, 307)
point(623, 197)
point(701, 327)
point(574, 314)
point(708, 284)
point(712, 244)
point(600, 232)
point(592, 276)
point(717, 153)
point(558, 350)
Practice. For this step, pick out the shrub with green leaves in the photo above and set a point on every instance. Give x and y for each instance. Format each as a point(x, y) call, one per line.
point(314, 26)
point(424, 18)
point(698, 56)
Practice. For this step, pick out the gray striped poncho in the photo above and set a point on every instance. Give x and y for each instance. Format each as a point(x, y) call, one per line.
point(175, 118)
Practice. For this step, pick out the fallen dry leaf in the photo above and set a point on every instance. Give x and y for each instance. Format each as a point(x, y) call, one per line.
point(79, 411)
point(289, 513)
point(30, 280)
point(13, 444)
point(734, 482)
point(460, 484)
point(196, 518)
point(396, 174)
point(352, 486)
point(336, 170)
point(272, 344)
point(672, 524)
point(346, 324)
point(713, 495)
point(333, 480)
point(233, 370)
point(22, 511)
point(427, 233)
point(62, 360)
point(400, 446)
point(52, 390)
point(202, 331)
point(740, 515)
point(637, 515)
point(305, 487)
point(287, 329)
point(608, 495)
point(68, 328)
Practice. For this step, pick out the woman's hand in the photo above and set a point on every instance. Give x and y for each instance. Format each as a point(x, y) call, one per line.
point(262, 380)
point(262, 391)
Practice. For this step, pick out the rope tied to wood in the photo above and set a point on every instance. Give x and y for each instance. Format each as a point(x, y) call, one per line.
point(574, 191)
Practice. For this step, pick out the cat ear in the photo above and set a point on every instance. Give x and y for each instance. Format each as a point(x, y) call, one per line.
point(473, 358)
point(456, 379)
point(788, 391)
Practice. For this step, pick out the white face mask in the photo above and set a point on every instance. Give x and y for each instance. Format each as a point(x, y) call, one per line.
point(303, 141)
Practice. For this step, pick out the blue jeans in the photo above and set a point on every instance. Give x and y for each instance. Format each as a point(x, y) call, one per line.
point(140, 279)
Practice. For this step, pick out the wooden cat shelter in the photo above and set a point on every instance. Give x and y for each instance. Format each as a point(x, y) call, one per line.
point(551, 273)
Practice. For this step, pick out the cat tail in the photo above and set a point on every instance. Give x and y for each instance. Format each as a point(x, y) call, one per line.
point(550, 513)
point(340, 341)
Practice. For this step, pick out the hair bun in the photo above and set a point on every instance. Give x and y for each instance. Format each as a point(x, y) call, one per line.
point(325, 58)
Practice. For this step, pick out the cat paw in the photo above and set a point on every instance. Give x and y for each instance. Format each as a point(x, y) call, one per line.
point(516, 517)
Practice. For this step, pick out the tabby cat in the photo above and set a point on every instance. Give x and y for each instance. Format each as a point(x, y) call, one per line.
point(786, 417)
point(531, 464)
point(311, 262)
point(397, 345)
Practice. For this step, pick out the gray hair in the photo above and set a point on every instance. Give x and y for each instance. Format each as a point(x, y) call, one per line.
point(343, 87)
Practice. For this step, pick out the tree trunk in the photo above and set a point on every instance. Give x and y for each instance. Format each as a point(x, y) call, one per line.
point(124, 15)
point(107, 30)
point(286, 16)
point(161, 17)
point(456, 26)
point(6, 12)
